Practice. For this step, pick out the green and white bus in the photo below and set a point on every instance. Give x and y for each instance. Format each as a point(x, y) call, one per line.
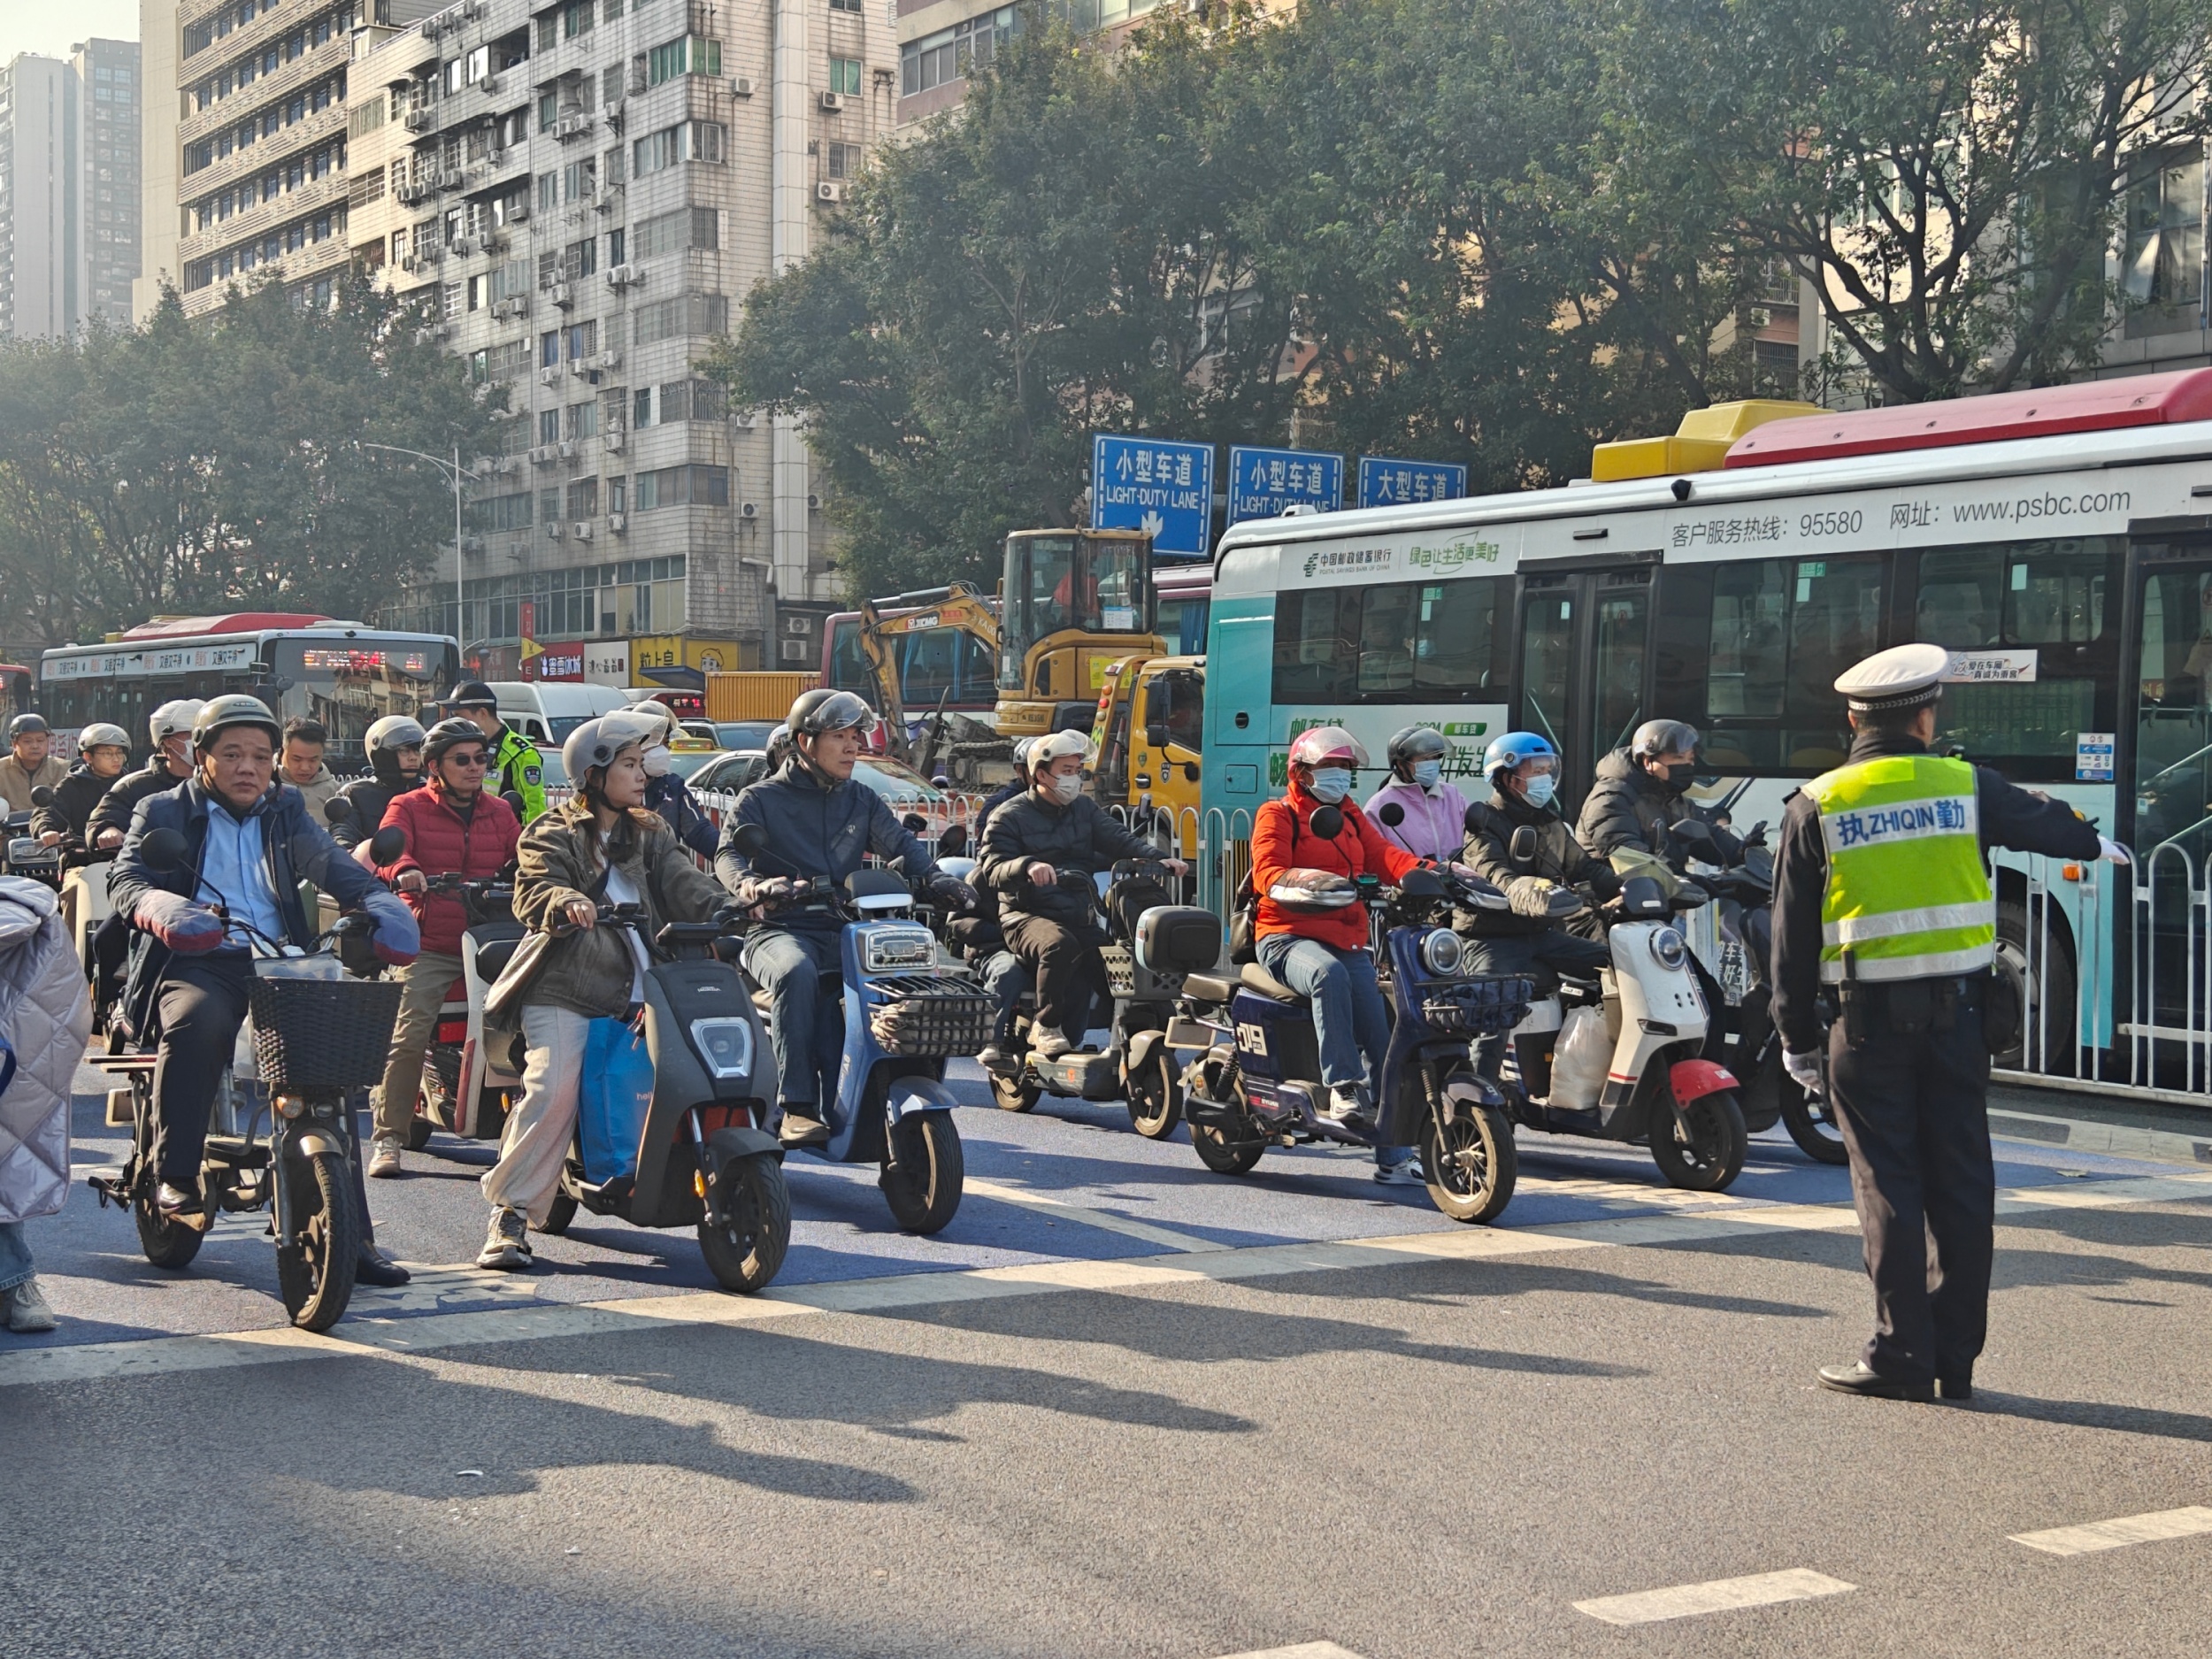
point(2058, 541)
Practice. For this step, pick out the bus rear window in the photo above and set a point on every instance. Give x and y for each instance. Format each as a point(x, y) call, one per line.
point(1392, 642)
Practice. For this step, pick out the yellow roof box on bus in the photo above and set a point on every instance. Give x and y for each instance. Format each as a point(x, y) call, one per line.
point(1699, 445)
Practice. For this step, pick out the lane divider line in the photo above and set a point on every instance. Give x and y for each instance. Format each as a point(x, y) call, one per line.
point(1720, 1595)
point(1303, 1650)
point(541, 1321)
point(2129, 1529)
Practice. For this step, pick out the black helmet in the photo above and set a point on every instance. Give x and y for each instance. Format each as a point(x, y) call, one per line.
point(445, 735)
point(824, 710)
point(1663, 737)
point(218, 714)
point(1409, 743)
point(474, 694)
point(27, 725)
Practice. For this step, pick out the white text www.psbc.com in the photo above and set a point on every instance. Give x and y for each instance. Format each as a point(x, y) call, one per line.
point(2031, 507)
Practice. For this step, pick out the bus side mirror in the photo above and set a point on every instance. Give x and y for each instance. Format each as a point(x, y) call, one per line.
point(1155, 734)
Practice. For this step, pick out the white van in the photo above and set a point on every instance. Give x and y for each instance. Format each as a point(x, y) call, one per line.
point(547, 710)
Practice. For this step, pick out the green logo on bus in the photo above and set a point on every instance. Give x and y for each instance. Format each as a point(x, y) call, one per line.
point(1443, 561)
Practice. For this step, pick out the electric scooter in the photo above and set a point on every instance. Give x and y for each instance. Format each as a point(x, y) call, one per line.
point(903, 1015)
point(701, 1160)
point(1256, 1082)
point(1152, 945)
point(473, 1070)
point(26, 856)
point(1658, 1087)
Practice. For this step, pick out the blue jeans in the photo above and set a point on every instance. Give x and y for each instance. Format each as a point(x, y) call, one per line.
point(805, 1028)
point(1348, 1016)
point(1005, 978)
point(15, 1255)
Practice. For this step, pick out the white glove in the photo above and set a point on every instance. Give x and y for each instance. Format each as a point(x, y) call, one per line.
point(1804, 1070)
point(2110, 849)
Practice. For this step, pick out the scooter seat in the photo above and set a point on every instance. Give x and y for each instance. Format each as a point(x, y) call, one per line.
point(1254, 978)
point(1207, 988)
point(495, 950)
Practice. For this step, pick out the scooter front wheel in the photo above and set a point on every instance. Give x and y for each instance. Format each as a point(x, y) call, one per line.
point(1471, 1164)
point(1712, 1155)
point(1155, 1094)
point(315, 1274)
point(746, 1251)
point(170, 1244)
point(1221, 1155)
point(1015, 1092)
point(1811, 1121)
point(923, 1179)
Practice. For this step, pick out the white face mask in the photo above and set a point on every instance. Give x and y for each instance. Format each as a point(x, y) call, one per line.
point(659, 762)
point(1066, 786)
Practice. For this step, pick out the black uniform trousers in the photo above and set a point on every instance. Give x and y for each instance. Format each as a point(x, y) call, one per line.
point(1913, 1113)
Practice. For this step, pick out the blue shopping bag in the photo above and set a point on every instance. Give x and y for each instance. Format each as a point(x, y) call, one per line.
point(617, 1089)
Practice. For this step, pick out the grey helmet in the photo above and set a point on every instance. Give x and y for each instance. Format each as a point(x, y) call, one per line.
point(822, 710)
point(218, 714)
point(596, 743)
point(1663, 737)
point(100, 734)
point(172, 717)
point(1409, 743)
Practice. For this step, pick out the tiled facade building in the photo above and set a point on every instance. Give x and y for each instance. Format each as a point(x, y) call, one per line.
point(69, 196)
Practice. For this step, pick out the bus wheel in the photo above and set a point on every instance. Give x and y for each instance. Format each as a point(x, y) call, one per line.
point(2046, 993)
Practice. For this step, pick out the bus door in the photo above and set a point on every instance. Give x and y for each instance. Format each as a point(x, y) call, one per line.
point(1584, 639)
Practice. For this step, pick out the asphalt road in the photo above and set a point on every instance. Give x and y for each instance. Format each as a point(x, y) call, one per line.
point(1125, 1407)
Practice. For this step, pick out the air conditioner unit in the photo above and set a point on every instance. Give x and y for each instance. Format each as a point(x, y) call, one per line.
point(607, 361)
point(604, 203)
point(471, 544)
point(471, 9)
point(741, 87)
point(580, 366)
point(564, 295)
point(548, 377)
point(407, 262)
point(814, 503)
point(490, 83)
point(429, 333)
point(567, 448)
point(613, 441)
point(518, 213)
point(463, 246)
point(619, 523)
point(623, 275)
point(572, 125)
point(432, 27)
point(826, 191)
point(746, 419)
point(749, 510)
point(613, 111)
point(795, 625)
point(418, 117)
point(513, 306)
point(556, 530)
point(794, 650)
point(544, 454)
point(832, 103)
point(581, 530)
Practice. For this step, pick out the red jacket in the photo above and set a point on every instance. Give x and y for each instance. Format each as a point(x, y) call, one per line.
point(441, 842)
point(1358, 848)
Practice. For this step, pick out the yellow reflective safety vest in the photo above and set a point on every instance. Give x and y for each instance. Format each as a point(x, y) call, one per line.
point(517, 765)
point(1909, 891)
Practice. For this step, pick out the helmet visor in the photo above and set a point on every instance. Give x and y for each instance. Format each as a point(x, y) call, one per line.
point(839, 712)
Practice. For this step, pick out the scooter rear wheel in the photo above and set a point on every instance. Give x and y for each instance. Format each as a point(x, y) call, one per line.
point(1812, 1124)
point(1222, 1155)
point(1155, 1094)
point(922, 1182)
point(747, 1251)
point(168, 1243)
point(1713, 1157)
point(417, 1132)
point(1472, 1162)
point(1014, 1093)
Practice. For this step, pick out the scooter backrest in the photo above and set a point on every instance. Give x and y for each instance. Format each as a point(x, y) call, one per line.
point(163, 849)
point(959, 868)
point(1643, 899)
point(878, 890)
point(1522, 848)
point(1178, 939)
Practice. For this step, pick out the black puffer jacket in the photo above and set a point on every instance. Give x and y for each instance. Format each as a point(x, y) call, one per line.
point(1081, 835)
point(70, 810)
point(1628, 807)
point(124, 794)
point(1560, 859)
point(367, 797)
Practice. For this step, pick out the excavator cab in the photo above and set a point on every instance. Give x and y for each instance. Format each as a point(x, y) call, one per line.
point(1073, 602)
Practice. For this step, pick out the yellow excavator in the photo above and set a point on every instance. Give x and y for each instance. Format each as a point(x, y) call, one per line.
point(951, 743)
point(1072, 603)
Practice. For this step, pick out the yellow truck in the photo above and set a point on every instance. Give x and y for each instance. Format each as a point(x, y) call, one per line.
point(1071, 602)
point(1150, 715)
point(756, 693)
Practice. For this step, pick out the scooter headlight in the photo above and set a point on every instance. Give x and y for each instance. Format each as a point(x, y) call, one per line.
point(898, 949)
point(1667, 949)
point(1441, 952)
point(724, 1045)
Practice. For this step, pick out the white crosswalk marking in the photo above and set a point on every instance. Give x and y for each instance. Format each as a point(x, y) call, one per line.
point(1303, 1650)
point(1685, 1600)
point(2129, 1529)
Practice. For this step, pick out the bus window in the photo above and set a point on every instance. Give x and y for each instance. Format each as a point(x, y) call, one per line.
point(1313, 644)
point(1455, 646)
point(1548, 664)
point(1392, 642)
point(2173, 762)
point(1780, 631)
point(1622, 627)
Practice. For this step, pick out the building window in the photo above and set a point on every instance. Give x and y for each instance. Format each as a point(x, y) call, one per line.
point(2164, 273)
point(689, 56)
point(951, 54)
point(548, 426)
point(583, 341)
point(583, 422)
point(683, 486)
point(576, 19)
point(844, 76)
point(549, 349)
point(844, 161)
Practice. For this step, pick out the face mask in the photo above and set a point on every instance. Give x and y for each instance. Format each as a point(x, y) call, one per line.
point(1678, 778)
point(1066, 788)
point(659, 762)
point(1428, 774)
point(1330, 784)
point(1539, 789)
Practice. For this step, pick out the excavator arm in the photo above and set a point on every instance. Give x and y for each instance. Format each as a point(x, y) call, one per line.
point(956, 606)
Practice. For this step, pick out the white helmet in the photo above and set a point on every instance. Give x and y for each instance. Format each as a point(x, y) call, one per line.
point(394, 731)
point(1044, 751)
point(100, 734)
point(172, 718)
point(670, 728)
point(597, 742)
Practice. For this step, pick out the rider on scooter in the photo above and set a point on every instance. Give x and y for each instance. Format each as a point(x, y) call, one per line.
point(248, 839)
point(602, 846)
point(1324, 957)
point(1526, 938)
point(102, 752)
point(395, 746)
point(1638, 792)
point(821, 823)
point(666, 793)
point(170, 763)
point(1054, 929)
point(454, 826)
point(1435, 813)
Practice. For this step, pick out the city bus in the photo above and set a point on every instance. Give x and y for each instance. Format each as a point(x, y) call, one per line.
point(2058, 541)
point(1182, 592)
point(344, 674)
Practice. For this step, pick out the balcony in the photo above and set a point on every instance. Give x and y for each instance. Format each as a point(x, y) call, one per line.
point(302, 71)
point(272, 25)
point(313, 260)
point(329, 122)
point(310, 198)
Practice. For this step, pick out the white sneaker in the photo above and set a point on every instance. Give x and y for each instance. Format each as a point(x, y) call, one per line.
point(1406, 1174)
point(507, 1243)
point(27, 1313)
point(1346, 1104)
point(1048, 1045)
point(384, 1156)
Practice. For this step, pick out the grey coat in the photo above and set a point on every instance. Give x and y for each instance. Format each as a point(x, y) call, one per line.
point(46, 1016)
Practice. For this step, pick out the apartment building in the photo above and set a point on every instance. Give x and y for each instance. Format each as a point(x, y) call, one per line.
point(69, 202)
point(941, 40)
point(582, 193)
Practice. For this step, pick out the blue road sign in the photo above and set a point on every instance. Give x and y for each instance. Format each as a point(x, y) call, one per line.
point(1153, 485)
point(1262, 482)
point(1384, 482)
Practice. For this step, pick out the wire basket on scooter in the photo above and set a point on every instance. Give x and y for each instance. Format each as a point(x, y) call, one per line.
point(316, 1033)
point(1475, 1007)
point(931, 1014)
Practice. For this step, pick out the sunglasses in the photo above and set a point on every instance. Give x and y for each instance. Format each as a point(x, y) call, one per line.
point(474, 757)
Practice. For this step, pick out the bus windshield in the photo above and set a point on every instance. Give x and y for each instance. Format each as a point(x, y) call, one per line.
point(349, 684)
point(1057, 584)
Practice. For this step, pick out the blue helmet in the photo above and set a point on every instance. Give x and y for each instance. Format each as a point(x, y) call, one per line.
point(1505, 753)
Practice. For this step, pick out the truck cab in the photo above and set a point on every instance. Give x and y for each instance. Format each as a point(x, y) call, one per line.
point(1151, 711)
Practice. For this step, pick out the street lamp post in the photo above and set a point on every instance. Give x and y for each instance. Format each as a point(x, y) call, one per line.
point(457, 472)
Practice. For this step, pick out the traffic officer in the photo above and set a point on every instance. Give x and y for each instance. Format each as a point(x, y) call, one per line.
point(517, 768)
point(1882, 897)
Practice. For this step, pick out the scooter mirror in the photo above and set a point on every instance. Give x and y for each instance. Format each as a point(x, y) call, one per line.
point(1391, 814)
point(43, 796)
point(953, 843)
point(1328, 823)
point(750, 840)
point(388, 846)
point(1522, 848)
point(1691, 831)
point(337, 810)
point(163, 849)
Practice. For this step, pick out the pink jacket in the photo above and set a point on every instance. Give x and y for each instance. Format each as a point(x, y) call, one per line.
point(1436, 822)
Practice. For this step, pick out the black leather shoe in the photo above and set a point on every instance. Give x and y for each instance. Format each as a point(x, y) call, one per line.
point(374, 1267)
point(1955, 1388)
point(1859, 1378)
point(180, 1204)
point(798, 1130)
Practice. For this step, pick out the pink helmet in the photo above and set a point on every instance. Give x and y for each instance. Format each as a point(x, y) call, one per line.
point(1326, 746)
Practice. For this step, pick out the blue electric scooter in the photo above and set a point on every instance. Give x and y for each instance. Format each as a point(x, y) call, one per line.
point(903, 1015)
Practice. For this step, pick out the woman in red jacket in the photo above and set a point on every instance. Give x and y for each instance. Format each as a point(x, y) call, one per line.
point(454, 826)
point(1323, 957)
